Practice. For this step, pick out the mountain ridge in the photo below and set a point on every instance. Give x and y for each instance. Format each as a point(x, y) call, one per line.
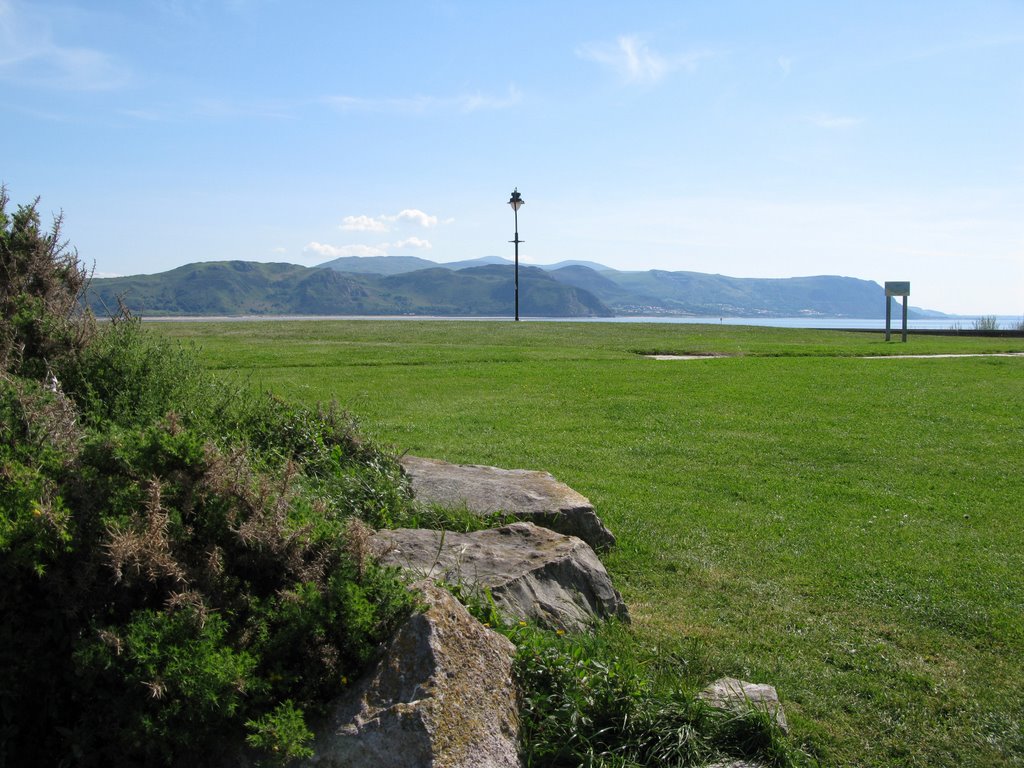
point(409, 285)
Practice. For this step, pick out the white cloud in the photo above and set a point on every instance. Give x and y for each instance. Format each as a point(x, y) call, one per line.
point(479, 101)
point(29, 56)
point(417, 216)
point(417, 105)
point(384, 222)
point(413, 242)
point(335, 251)
point(635, 62)
point(364, 224)
point(361, 249)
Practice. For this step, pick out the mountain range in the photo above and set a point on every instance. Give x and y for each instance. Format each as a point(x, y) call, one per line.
point(408, 285)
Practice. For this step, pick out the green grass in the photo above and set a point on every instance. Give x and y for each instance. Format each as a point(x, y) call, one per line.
point(847, 529)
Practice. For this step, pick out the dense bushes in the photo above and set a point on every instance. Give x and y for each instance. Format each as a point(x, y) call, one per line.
point(183, 563)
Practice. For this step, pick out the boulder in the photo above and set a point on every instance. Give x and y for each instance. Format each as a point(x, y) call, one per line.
point(532, 573)
point(527, 495)
point(442, 697)
point(738, 695)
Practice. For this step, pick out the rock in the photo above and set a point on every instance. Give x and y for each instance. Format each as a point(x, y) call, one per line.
point(536, 497)
point(739, 695)
point(442, 697)
point(532, 573)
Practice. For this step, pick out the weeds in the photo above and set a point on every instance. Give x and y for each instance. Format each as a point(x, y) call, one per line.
point(986, 323)
point(587, 702)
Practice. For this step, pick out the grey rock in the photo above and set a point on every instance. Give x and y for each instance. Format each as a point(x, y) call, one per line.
point(527, 495)
point(532, 573)
point(738, 695)
point(442, 697)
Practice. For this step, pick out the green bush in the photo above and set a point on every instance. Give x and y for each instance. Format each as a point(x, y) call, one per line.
point(41, 281)
point(183, 565)
point(281, 733)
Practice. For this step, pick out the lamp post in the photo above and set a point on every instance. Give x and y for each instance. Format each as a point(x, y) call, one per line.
point(516, 201)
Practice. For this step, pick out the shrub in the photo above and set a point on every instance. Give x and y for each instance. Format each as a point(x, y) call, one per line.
point(41, 282)
point(180, 562)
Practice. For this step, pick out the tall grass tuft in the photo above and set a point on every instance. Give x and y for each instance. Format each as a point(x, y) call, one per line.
point(986, 323)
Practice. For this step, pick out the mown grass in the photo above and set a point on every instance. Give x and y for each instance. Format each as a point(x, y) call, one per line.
point(847, 529)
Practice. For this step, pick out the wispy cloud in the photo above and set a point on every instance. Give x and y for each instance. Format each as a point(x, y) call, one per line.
point(364, 224)
point(785, 64)
point(363, 249)
point(225, 109)
point(635, 62)
point(284, 109)
point(336, 251)
point(825, 120)
point(31, 57)
point(384, 222)
point(413, 242)
point(469, 102)
point(958, 47)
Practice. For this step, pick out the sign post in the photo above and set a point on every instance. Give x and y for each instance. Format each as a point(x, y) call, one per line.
point(895, 289)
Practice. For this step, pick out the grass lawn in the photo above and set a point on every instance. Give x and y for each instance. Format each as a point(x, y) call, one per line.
point(847, 528)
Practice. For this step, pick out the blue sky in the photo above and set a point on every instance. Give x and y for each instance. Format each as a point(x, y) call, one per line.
point(879, 140)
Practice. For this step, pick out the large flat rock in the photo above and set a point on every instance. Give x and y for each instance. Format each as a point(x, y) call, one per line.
point(533, 573)
point(536, 497)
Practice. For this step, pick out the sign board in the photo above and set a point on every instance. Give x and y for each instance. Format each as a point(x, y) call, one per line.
point(897, 289)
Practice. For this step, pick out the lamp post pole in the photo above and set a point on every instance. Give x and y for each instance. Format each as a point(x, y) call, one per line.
point(516, 201)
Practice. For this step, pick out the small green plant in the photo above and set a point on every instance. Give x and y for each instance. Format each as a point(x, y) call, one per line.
point(459, 519)
point(282, 734)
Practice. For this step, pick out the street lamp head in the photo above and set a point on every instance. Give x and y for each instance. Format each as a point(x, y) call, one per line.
point(516, 201)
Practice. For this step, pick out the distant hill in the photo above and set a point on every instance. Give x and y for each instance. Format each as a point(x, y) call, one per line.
point(695, 293)
point(386, 285)
point(660, 292)
point(378, 265)
point(250, 288)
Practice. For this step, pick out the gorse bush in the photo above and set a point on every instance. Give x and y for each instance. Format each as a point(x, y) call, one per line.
point(41, 281)
point(182, 561)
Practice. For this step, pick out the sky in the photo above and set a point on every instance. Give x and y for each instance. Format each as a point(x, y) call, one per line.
point(878, 140)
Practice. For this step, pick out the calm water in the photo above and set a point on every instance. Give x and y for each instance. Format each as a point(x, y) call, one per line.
point(965, 322)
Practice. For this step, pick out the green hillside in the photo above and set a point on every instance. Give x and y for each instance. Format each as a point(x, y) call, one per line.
point(661, 292)
point(695, 293)
point(247, 288)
